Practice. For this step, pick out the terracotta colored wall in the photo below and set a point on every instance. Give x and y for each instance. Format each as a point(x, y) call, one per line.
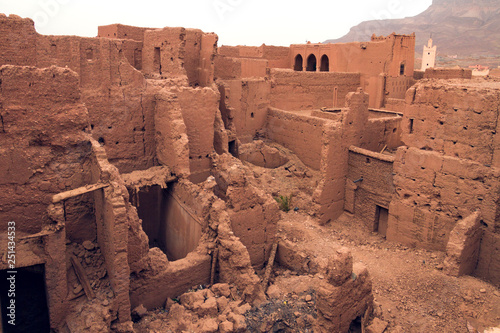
point(253, 214)
point(396, 87)
point(198, 107)
point(17, 38)
point(382, 132)
point(181, 52)
point(301, 134)
point(381, 55)
point(447, 73)
point(115, 218)
point(182, 228)
point(111, 89)
point(488, 265)
point(396, 105)
point(244, 106)
point(456, 119)
point(433, 192)
point(120, 31)
point(376, 187)
point(171, 43)
point(228, 68)
point(277, 56)
point(43, 147)
point(316, 90)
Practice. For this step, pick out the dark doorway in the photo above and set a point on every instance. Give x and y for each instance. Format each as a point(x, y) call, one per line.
point(402, 69)
point(299, 63)
point(381, 219)
point(311, 63)
point(325, 64)
point(31, 308)
point(157, 60)
point(233, 149)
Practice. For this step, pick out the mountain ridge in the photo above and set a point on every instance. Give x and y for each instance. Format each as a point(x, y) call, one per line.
point(458, 27)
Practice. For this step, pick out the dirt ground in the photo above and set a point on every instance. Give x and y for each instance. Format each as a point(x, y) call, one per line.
point(411, 292)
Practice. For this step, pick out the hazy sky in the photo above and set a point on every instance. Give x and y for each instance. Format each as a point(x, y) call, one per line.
point(243, 22)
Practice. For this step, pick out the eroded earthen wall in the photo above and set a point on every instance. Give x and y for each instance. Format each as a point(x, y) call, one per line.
point(315, 91)
point(44, 149)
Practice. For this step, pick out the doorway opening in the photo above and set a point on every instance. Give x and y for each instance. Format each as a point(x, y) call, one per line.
point(355, 326)
point(31, 307)
point(381, 219)
point(233, 149)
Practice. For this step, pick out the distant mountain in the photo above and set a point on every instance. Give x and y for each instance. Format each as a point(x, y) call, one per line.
point(462, 27)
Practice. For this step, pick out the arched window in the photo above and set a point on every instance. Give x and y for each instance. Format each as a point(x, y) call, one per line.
point(325, 64)
point(299, 62)
point(311, 63)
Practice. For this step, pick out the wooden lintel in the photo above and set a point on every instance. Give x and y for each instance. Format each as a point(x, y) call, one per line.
point(77, 191)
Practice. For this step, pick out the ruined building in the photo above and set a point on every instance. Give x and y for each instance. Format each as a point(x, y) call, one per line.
point(126, 165)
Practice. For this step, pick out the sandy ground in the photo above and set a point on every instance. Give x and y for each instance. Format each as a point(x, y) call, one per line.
point(411, 292)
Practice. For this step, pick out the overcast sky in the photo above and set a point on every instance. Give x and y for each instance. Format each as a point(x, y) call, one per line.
point(237, 22)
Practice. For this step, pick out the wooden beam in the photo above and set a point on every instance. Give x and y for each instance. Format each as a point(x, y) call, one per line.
point(77, 191)
point(269, 267)
point(215, 256)
point(82, 277)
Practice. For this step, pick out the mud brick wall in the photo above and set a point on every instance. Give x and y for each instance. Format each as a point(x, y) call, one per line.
point(434, 191)
point(277, 56)
point(301, 134)
point(316, 90)
point(198, 107)
point(244, 106)
point(43, 149)
point(454, 118)
point(120, 31)
point(448, 73)
point(375, 189)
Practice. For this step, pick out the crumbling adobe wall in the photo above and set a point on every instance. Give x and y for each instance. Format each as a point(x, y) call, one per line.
point(433, 192)
point(111, 88)
point(396, 105)
point(376, 188)
point(384, 132)
point(448, 73)
point(199, 107)
point(454, 118)
point(121, 31)
point(316, 90)
point(17, 40)
point(244, 106)
point(301, 134)
point(253, 214)
point(44, 149)
point(276, 56)
point(227, 68)
point(338, 137)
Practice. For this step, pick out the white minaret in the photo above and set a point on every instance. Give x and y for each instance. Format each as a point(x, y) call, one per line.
point(429, 56)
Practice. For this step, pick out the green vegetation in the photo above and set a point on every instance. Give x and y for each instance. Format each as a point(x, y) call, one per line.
point(284, 202)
